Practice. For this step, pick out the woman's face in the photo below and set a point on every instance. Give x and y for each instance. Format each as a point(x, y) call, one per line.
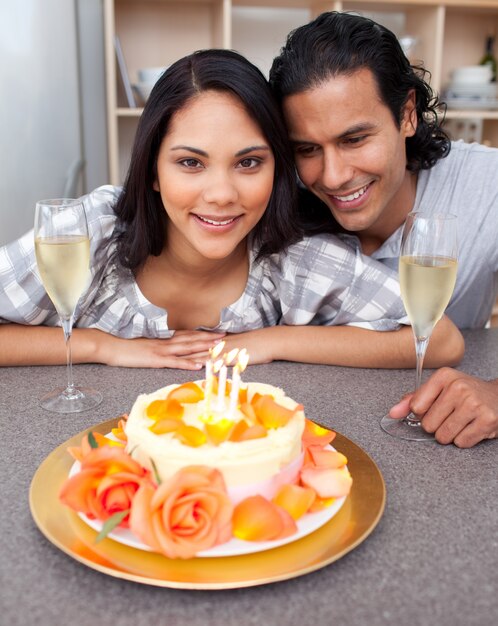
point(215, 176)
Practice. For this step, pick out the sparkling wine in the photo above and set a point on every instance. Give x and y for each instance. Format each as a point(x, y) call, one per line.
point(426, 287)
point(63, 263)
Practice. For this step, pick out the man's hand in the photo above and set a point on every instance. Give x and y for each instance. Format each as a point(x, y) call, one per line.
point(456, 407)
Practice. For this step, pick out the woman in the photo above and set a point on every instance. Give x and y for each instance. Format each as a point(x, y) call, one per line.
point(202, 244)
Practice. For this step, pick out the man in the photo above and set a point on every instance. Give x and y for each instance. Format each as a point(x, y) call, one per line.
point(456, 407)
point(368, 144)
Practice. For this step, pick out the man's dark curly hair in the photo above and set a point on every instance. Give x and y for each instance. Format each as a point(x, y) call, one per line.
point(342, 43)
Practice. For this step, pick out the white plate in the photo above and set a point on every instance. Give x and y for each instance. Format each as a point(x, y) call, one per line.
point(307, 524)
point(235, 547)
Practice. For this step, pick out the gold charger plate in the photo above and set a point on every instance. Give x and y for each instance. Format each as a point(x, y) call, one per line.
point(348, 528)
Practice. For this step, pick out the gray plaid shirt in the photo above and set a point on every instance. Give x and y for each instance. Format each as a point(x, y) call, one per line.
point(319, 280)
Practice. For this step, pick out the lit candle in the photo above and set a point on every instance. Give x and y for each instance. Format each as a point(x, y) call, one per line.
point(213, 354)
point(222, 366)
point(222, 384)
point(238, 368)
point(209, 384)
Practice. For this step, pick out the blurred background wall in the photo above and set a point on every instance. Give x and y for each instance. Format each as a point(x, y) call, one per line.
point(52, 105)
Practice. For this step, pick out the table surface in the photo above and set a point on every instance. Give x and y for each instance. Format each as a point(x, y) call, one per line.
point(433, 558)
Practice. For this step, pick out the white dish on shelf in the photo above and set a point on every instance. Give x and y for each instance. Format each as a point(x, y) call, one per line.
point(479, 89)
point(151, 74)
point(471, 103)
point(472, 74)
point(143, 90)
point(478, 96)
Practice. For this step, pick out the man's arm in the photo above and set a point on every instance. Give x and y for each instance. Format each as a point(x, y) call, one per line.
point(456, 407)
point(349, 346)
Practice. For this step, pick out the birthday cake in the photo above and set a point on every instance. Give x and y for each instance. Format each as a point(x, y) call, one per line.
point(256, 445)
point(206, 463)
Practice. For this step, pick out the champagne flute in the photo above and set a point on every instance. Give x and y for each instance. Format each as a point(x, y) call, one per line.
point(62, 248)
point(427, 274)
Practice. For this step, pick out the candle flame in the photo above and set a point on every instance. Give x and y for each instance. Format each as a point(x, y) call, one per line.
point(230, 357)
point(217, 365)
point(243, 360)
point(217, 350)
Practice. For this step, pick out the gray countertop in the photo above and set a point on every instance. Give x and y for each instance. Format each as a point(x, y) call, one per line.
point(433, 558)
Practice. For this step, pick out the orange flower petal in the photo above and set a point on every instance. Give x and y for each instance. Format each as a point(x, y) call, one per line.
point(319, 504)
point(255, 398)
point(289, 526)
point(191, 436)
point(257, 431)
point(165, 425)
point(219, 431)
point(76, 452)
point(328, 483)
point(162, 409)
point(187, 513)
point(256, 519)
point(119, 433)
point(242, 395)
point(295, 500)
point(271, 414)
point(76, 491)
point(326, 458)
point(141, 517)
point(238, 430)
point(110, 460)
point(248, 411)
point(188, 393)
point(307, 460)
point(314, 434)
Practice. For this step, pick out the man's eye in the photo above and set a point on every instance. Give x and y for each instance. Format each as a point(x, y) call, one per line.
point(306, 150)
point(355, 140)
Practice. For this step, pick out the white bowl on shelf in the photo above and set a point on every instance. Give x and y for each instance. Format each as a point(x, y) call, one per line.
point(472, 75)
point(477, 89)
point(143, 90)
point(150, 74)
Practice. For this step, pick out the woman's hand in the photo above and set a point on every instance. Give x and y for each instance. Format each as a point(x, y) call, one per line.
point(258, 344)
point(456, 407)
point(187, 349)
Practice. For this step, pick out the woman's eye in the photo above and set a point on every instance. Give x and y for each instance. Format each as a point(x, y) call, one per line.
point(249, 163)
point(190, 163)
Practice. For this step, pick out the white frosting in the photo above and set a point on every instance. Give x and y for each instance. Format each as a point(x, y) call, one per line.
point(241, 463)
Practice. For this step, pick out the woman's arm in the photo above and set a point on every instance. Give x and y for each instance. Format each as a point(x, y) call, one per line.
point(349, 346)
point(41, 345)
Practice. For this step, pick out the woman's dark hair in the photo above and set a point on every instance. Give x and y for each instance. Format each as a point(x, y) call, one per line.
point(140, 209)
point(342, 43)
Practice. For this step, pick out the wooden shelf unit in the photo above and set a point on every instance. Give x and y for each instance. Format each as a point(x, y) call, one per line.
point(157, 32)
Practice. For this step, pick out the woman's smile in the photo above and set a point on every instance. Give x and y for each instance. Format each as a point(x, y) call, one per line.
point(216, 222)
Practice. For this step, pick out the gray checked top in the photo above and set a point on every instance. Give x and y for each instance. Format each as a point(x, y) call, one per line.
point(319, 280)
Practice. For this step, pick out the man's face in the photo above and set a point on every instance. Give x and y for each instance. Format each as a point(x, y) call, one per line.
point(350, 153)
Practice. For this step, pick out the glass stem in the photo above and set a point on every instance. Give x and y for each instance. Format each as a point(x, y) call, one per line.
point(67, 327)
point(420, 348)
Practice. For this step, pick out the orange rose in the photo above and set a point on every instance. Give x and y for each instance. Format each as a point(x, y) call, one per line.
point(186, 514)
point(106, 484)
point(86, 447)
